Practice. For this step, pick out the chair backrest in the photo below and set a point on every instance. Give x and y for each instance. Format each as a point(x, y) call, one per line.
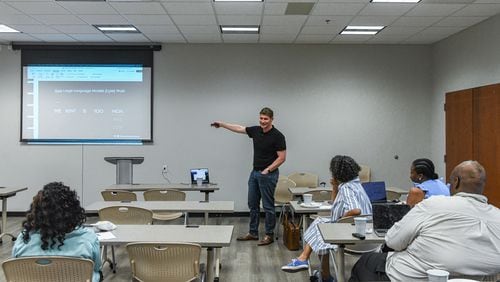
point(126, 215)
point(321, 196)
point(48, 268)
point(164, 261)
point(304, 179)
point(392, 195)
point(117, 195)
point(365, 174)
point(164, 195)
point(282, 195)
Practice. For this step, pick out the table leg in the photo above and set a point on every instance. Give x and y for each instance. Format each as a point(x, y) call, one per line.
point(4, 221)
point(340, 264)
point(217, 263)
point(207, 197)
point(210, 264)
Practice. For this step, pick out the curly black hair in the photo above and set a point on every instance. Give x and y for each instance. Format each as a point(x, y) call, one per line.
point(54, 212)
point(425, 167)
point(344, 168)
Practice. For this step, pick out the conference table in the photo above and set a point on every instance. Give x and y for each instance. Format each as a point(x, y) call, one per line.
point(208, 236)
point(169, 206)
point(340, 234)
point(204, 188)
point(5, 193)
point(299, 191)
point(304, 212)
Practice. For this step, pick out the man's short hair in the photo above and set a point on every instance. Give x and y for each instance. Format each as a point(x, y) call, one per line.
point(267, 112)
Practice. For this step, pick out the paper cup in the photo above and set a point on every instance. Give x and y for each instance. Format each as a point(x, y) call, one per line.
point(360, 223)
point(308, 198)
point(437, 275)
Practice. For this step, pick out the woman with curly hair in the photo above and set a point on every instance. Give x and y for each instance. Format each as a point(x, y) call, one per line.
point(53, 227)
point(349, 199)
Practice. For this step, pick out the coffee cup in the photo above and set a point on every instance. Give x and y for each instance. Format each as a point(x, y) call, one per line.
point(308, 198)
point(360, 223)
point(437, 275)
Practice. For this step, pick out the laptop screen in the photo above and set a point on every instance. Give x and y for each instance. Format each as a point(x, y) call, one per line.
point(375, 191)
point(385, 215)
point(199, 173)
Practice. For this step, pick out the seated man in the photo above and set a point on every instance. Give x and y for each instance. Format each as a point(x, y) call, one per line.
point(459, 234)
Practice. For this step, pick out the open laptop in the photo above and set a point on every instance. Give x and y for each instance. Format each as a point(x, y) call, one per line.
point(385, 215)
point(200, 173)
point(375, 191)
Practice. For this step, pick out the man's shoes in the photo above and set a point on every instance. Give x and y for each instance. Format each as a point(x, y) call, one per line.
point(248, 237)
point(268, 239)
point(296, 265)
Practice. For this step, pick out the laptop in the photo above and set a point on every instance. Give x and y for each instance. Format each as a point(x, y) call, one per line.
point(385, 215)
point(375, 191)
point(199, 173)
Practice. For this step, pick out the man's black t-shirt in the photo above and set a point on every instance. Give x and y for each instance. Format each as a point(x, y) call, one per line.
point(265, 145)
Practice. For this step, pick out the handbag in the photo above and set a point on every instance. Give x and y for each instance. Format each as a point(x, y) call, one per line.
point(291, 230)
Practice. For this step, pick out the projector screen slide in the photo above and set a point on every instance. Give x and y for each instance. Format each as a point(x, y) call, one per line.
point(86, 103)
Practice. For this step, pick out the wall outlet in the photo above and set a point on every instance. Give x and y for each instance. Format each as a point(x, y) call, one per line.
point(164, 168)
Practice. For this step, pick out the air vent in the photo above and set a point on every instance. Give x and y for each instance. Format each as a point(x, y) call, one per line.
point(299, 8)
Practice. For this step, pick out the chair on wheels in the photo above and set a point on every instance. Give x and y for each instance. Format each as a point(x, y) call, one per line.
point(304, 179)
point(365, 173)
point(282, 196)
point(123, 215)
point(165, 195)
point(164, 261)
point(48, 268)
point(118, 195)
point(321, 196)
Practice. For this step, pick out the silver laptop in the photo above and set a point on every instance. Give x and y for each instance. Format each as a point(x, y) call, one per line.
point(200, 173)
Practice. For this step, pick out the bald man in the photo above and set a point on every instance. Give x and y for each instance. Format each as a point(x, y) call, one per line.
point(459, 234)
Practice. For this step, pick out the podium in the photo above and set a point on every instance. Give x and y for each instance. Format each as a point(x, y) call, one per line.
point(124, 167)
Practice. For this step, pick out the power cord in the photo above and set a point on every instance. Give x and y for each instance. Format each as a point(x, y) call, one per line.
point(164, 173)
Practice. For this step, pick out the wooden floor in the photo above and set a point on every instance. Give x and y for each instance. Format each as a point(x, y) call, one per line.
point(242, 261)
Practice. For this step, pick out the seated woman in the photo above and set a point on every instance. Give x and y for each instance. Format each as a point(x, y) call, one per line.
point(349, 199)
point(426, 182)
point(53, 227)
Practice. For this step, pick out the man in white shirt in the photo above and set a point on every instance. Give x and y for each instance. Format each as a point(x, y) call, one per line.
point(459, 234)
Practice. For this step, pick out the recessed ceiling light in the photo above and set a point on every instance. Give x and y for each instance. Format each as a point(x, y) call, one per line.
point(240, 29)
point(362, 29)
point(117, 28)
point(4, 28)
point(395, 1)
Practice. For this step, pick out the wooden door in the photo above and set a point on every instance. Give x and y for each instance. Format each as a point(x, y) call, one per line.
point(458, 109)
point(486, 137)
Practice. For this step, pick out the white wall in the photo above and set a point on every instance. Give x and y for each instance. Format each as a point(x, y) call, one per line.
point(370, 102)
point(468, 59)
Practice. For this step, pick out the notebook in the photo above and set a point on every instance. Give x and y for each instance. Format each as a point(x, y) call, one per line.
point(199, 173)
point(375, 191)
point(385, 215)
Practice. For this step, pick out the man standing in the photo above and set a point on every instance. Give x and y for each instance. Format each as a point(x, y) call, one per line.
point(269, 153)
point(459, 234)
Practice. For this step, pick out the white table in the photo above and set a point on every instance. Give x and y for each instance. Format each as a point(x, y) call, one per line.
point(169, 206)
point(299, 191)
point(341, 234)
point(208, 236)
point(5, 193)
point(204, 188)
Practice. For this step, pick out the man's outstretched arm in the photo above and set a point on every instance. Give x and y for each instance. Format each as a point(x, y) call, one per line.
point(229, 126)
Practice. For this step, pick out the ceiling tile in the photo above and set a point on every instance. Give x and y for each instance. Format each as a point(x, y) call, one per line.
point(284, 20)
point(85, 8)
point(373, 20)
point(194, 20)
point(8, 10)
point(343, 9)
point(143, 8)
point(275, 8)
point(128, 37)
point(429, 10)
point(352, 38)
point(416, 21)
point(98, 37)
point(478, 10)
point(103, 19)
point(240, 8)
point(203, 38)
point(460, 21)
point(69, 28)
point(198, 29)
point(161, 29)
point(383, 9)
point(448, 1)
point(167, 38)
point(194, 8)
point(55, 37)
point(280, 29)
point(39, 8)
point(315, 39)
point(58, 19)
point(33, 28)
point(387, 39)
point(240, 38)
point(335, 20)
point(17, 19)
point(9, 37)
point(400, 31)
point(332, 29)
point(149, 20)
point(276, 39)
point(239, 20)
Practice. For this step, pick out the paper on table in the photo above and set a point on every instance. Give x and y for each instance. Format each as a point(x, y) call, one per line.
point(325, 207)
point(105, 235)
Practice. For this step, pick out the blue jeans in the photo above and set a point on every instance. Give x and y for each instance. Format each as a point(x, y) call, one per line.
point(262, 186)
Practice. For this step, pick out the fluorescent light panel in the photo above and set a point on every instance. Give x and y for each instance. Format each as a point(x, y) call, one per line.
point(395, 1)
point(240, 29)
point(358, 32)
point(117, 28)
point(4, 28)
point(362, 29)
